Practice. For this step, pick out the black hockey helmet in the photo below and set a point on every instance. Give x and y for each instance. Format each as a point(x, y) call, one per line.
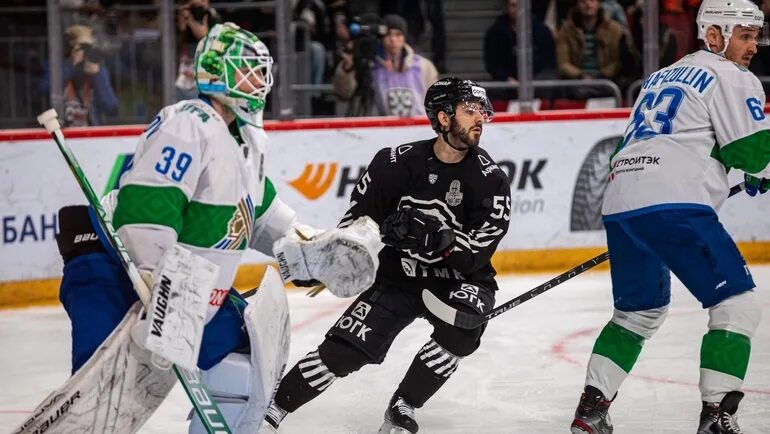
point(444, 94)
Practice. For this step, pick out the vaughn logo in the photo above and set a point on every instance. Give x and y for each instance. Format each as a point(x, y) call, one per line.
point(161, 304)
point(283, 265)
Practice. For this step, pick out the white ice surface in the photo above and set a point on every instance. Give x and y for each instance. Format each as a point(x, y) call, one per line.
point(526, 377)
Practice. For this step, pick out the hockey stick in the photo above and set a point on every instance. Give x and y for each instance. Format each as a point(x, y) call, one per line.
point(318, 288)
point(466, 320)
point(199, 395)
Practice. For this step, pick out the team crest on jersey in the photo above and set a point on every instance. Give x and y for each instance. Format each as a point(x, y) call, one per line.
point(432, 178)
point(454, 196)
point(239, 227)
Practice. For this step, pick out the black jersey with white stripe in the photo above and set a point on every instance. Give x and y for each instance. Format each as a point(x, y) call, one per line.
point(471, 197)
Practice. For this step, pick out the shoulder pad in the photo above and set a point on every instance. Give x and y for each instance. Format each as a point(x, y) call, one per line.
point(198, 109)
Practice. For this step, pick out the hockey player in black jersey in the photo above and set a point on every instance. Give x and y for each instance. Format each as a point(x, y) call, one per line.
point(443, 206)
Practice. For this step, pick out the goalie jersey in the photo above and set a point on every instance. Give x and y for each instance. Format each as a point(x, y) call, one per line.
point(192, 182)
point(471, 197)
point(693, 121)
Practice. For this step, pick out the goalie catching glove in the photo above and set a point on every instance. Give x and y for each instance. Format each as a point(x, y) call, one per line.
point(345, 260)
point(411, 229)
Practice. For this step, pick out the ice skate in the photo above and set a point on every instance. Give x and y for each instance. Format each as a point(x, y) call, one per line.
point(399, 418)
point(273, 418)
point(591, 415)
point(719, 418)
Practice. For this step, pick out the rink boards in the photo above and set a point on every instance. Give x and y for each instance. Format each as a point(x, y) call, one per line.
point(557, 164)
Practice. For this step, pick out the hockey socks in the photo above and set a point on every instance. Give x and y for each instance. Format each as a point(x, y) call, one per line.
point(614, 354)
point(724, 358)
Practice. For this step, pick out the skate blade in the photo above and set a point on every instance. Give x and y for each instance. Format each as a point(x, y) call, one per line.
point(388, 428)
point(578, 427)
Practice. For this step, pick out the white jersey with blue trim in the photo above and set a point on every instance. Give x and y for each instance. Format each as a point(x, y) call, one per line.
point(691, 122)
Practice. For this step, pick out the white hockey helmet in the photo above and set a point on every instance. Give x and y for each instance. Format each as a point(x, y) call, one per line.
point(726, 14)
point(234, 67)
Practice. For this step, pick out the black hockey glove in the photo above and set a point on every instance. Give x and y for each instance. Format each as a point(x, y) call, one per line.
point(754, 185)
point(411, 229)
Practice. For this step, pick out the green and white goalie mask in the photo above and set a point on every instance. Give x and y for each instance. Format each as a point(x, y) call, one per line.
point(234, 67)
point(727, 14)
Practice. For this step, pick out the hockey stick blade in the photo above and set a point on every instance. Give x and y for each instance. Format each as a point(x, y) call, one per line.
point(466, 320)
point(204, 405)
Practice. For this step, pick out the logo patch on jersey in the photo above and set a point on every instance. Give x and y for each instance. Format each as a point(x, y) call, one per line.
point(315, 179)
point(409, 266)
point(432, 178)
point(483, 160)
point(239, 227)
point(454, 196)
point(361, 310)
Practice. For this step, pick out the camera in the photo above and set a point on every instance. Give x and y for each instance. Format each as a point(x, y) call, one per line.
point(365, 32)
point(91, 53)
point(198, 12)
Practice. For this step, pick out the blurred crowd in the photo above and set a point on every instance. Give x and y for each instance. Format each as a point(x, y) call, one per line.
point(378, 55)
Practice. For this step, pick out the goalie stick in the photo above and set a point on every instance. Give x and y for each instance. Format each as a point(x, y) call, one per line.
point(204, 405)
point(466, 320)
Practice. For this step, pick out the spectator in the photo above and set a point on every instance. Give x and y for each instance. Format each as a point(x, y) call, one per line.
point(399, 76)
point(615, 11)
point(193, 21)
point(412, 12)
point(500, 47)
point(88, 93)
point(312, 14)
point(588, 45)
point(678, 16)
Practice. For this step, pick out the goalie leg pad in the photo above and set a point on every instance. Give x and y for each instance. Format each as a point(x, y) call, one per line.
point(118, 372)
point(243, 385)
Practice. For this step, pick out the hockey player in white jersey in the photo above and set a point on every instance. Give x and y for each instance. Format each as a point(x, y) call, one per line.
point(197, 181)
point(692, 122)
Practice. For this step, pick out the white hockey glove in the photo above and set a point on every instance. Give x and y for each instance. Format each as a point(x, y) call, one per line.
point(345, 260)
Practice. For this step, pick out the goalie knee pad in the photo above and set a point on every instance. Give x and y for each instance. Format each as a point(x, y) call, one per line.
point(738, 314)
point(642, 322)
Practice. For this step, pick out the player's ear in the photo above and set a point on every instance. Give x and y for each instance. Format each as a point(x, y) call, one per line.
point(714, 38)
point(443, 119)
